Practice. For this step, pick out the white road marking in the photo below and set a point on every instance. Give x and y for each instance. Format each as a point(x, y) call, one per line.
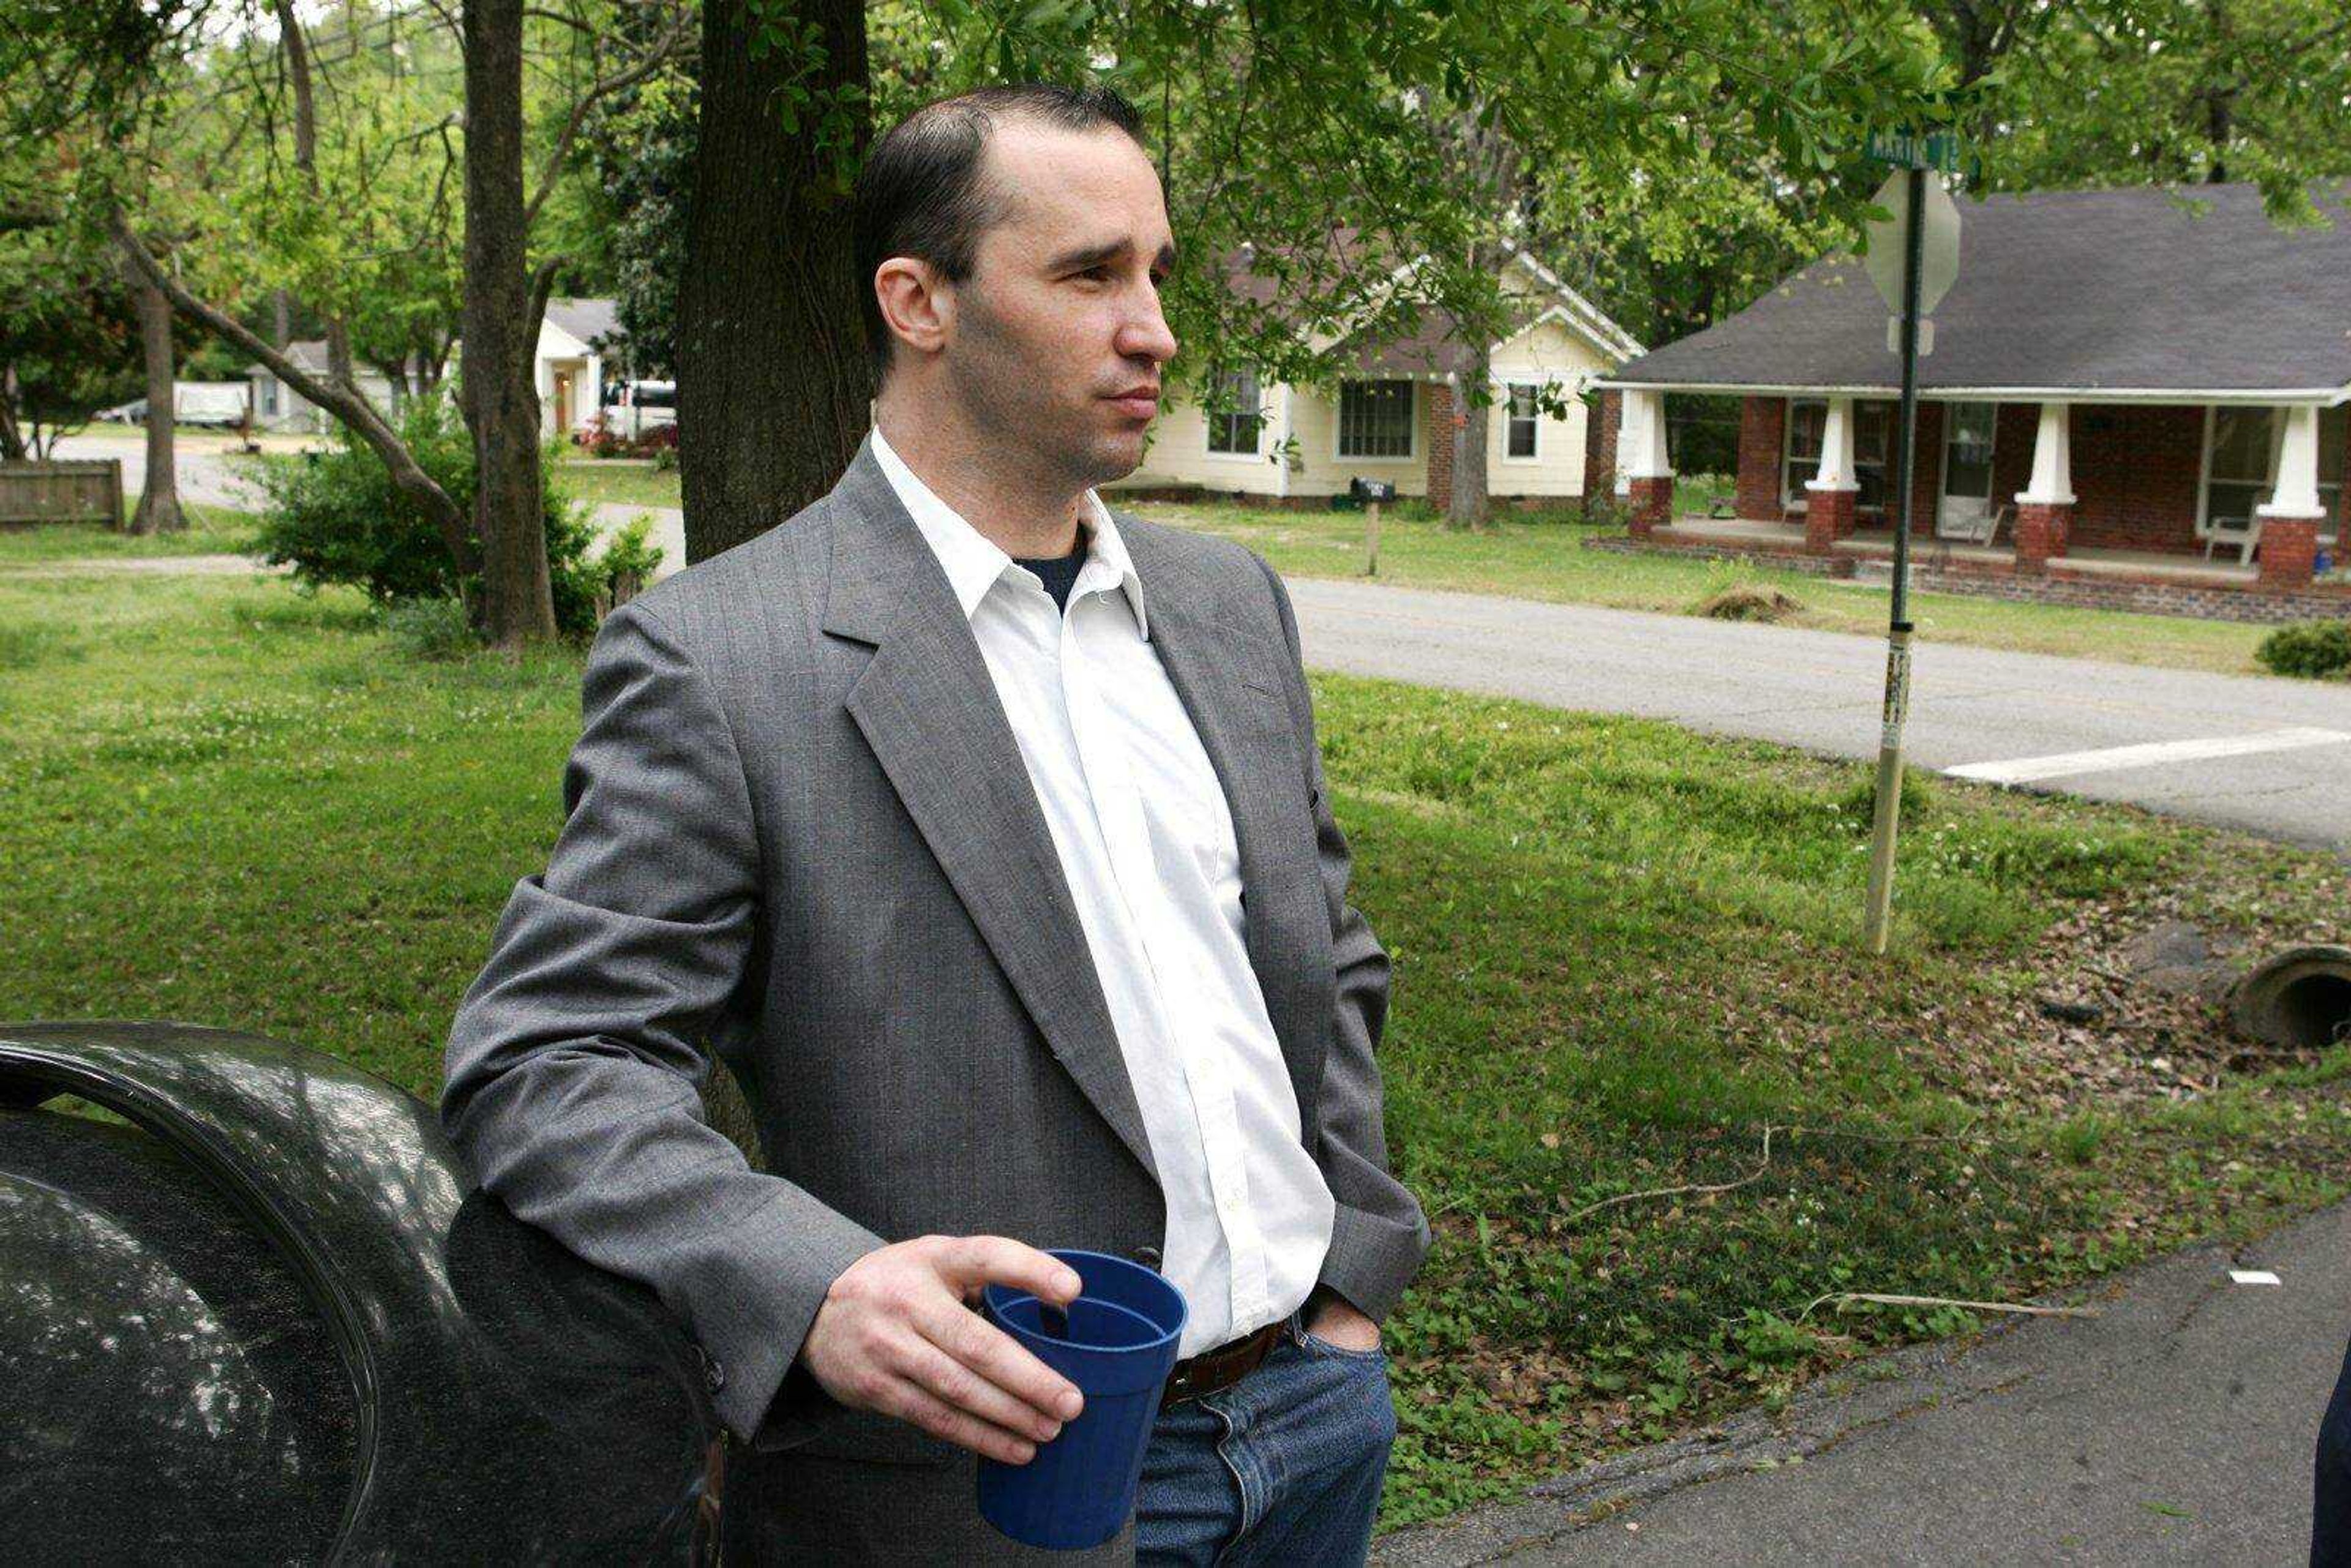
point(2252, 1277)
point(2025, 770)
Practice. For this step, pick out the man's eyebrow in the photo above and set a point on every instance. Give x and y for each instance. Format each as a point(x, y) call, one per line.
point(1097, 255)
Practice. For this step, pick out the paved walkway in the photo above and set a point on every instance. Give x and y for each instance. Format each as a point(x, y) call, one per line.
point(2177, 1426)
point(2271, 756)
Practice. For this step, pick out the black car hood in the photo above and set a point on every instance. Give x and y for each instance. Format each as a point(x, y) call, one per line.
point(488, 1395)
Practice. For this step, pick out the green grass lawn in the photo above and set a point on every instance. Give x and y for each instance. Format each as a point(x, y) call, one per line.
point(212, 530)
point(1541, 555)
point(630, 484)
point(1625, 961)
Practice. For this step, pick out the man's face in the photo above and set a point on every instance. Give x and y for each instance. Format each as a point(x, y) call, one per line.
point(1058, 337)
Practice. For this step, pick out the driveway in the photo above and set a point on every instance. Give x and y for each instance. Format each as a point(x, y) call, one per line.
point(2269, 755)
point(206, 474)
point(2176, 1425)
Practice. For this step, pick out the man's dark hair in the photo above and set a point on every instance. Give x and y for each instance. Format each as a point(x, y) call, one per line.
point(922, 192)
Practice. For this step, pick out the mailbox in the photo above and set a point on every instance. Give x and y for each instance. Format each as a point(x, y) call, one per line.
point(1372, 489)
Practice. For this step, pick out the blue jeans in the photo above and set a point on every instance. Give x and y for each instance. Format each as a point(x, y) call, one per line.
point(1282, 1467)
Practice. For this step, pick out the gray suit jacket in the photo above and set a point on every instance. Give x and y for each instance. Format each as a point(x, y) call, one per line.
point(798, 832)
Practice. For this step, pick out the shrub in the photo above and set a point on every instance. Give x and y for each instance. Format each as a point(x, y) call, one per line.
point(2312, 648)
point(628, 560)
point(336, 518)
point(598, 442)
point(430, 628)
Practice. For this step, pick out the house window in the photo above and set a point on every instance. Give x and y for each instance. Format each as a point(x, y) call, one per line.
point(269, 397)
point(1235, 416)
point(2241, 458)
point(1521, 434)
point(1808, 420)
point(1376, 419)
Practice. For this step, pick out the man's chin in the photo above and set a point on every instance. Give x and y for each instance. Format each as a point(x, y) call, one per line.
point(1114, 457)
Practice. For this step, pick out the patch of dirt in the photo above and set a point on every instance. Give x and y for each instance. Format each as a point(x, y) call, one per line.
point(2130, 1006)
point(1746, 601)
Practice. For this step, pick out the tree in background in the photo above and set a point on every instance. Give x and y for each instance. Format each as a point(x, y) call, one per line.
point(640, 145)
point(350, 215)
point(69, 342)
point(1310, 130)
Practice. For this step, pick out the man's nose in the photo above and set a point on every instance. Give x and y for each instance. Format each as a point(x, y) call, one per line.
point(1146, 334)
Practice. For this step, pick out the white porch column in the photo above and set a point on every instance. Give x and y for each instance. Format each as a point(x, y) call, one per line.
point(1836, 471)
point(1644, 477)
point(2044, 508)
point(1641, 442)
point(2296, 495)
point(2053, 460)
point(1833, 495)
point(2290, 517)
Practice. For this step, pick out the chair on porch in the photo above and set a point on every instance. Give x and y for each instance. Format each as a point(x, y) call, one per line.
point(2245, 533)
point(1982, 530)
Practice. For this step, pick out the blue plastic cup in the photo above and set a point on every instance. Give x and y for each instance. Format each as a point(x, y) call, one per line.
point(1119, 1347)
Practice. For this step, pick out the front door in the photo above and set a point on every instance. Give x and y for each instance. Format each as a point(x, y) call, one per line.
point(1967, 468)
point(562, 401)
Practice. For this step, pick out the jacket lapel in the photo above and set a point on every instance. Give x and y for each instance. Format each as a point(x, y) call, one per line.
point(927, 706)
point(1230, 682)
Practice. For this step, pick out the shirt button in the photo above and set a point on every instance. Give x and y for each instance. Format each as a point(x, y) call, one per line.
point(1146, 1256)
point(713, 1374)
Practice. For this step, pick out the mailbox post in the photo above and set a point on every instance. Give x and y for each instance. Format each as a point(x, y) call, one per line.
point(1371, 493)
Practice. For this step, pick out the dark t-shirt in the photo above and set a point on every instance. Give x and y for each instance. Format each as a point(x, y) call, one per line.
point(1059, 574)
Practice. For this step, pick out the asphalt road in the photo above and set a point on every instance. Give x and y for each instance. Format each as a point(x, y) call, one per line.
point(2271, 756)
point(2287, 776)
point(2176, 1427)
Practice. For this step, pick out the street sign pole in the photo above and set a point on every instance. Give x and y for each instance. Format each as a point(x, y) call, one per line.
point(1887, 824)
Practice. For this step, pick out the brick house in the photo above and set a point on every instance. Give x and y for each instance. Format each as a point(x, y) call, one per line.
point(1390, 414)
point(2140, 379)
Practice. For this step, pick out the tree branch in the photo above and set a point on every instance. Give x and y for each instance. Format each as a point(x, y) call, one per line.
point(345, 403)
point(655, 54)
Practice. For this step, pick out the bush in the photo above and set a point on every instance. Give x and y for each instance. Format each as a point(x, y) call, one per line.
point(2312, 648)
point(629, 561)
point(430, 628)
point(337, 518)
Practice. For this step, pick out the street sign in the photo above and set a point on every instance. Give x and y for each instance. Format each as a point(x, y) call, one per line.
point(1908, 149)
point(1939, 252)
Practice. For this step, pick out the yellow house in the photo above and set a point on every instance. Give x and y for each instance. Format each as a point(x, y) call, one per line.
point(1390, 416)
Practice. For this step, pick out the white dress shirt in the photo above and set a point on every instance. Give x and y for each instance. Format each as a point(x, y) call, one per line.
point(1145, 841)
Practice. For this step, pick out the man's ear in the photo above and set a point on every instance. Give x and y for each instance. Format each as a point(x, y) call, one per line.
point(917, 305)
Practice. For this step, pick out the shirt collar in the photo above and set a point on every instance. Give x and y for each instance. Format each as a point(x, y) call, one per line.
point(974, 562)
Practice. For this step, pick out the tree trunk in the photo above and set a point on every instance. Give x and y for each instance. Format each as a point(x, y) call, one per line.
point(159, 499)
point(774, 392)
point(1469, 505)
point(501, 406)
point(12, 439)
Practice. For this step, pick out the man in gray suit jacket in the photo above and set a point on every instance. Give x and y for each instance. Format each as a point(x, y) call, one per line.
point(985, 835)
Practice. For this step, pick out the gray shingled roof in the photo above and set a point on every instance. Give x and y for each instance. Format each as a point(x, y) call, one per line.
point(2107, 291)
point(586, 320)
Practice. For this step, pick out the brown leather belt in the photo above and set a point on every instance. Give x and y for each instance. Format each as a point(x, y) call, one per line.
point(1222, 1368)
